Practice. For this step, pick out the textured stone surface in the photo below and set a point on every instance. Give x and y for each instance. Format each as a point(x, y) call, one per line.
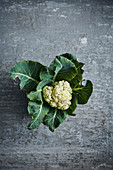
point(39, 30)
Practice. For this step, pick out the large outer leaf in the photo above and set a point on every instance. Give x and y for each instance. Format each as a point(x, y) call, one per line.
point(37, 110)
point(54, 118)
point(78, 78)
point(37, 95)
point(64, 70)
point(28, 73)
point(69, 56)
point(73, 105)
point(78, 65)
point(73, 58)
point(56, 66)
point(46, 73)
point(83, 93)
point(74, 82)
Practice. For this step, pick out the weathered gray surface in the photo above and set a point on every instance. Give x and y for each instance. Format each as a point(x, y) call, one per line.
point(40, 30)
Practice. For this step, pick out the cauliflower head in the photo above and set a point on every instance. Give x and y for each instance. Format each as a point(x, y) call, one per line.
point(59, 95)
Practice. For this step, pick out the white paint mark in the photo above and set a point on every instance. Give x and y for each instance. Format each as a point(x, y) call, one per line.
point(104, 165)
point(63, 16)
point(49, 15)
point(78, 13)
point(84, 40)
point(28, 52)
point(105, 24)
point(107, 36)
point(88, 5)
point(55, 10)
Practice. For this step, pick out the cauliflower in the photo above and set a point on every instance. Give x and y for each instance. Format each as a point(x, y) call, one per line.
point(59, 95)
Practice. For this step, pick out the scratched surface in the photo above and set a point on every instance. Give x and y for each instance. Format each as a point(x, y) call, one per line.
point(39, 30)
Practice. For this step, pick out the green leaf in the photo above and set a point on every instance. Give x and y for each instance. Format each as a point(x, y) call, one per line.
point(56, 66)
point(28, 73)
point(69, 56)
point(37, 110)
point(73, 58)
point(37, 95)
point(73, 106)
point(78, 65)
point(68, 70)
point(74, 82)
point(46, 73)
point(54, 118)
point(83, 93)
point(64, 68)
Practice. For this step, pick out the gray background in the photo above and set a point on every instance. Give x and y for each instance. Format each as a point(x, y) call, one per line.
point(39, 30)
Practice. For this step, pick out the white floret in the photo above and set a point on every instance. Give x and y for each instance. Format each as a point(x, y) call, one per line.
point(59, 95)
